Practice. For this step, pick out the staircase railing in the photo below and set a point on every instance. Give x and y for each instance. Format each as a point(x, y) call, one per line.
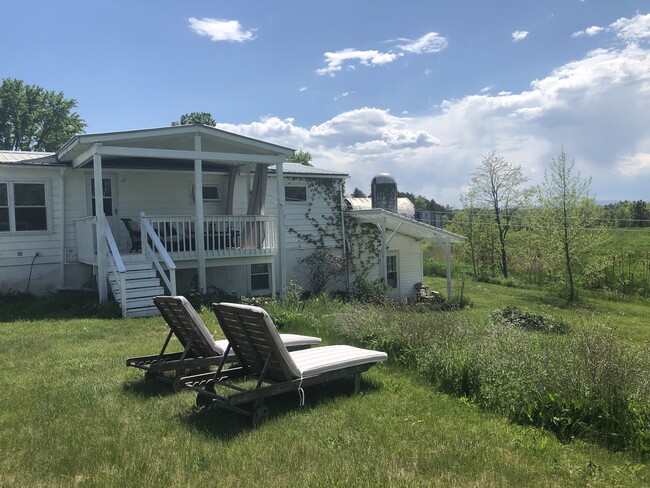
point(158, 253)
point(116, 264)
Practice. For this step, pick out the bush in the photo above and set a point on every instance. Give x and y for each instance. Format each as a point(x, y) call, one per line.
point(529, 320)
point(365, 291)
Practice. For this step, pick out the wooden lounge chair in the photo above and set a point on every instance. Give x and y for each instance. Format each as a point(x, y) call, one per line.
point(265, 358)
point(200, 350)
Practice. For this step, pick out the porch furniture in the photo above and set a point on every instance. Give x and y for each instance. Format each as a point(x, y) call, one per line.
point(134, 233)
point(263, 356)
point(200, 350)
point(423, 294)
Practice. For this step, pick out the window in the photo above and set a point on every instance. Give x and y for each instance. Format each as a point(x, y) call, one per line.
point(295, 194)
point(391, 271)
point(107, 190)
point(4, 207)
point(23, 207)
point(211, 193)
point(260, 277)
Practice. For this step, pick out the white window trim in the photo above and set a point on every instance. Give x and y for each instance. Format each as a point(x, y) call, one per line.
point(297, 185)
point(12, 207)
point(397, 274)
point(214, 185)
point(261, 291)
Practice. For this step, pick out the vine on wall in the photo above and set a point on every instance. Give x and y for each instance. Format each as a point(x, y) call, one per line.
point(362, 241)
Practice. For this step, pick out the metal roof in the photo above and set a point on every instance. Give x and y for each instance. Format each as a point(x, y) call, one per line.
point(301, 169)
point(406, 226)
point(405, 206)
point(30, 158)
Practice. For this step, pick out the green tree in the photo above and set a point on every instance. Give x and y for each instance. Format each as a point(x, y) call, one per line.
point(358, 193)
point(496, 187)
point(302, 157)
point(204, 118)
point(568, 218)
point(34, 119)
point(640, 213)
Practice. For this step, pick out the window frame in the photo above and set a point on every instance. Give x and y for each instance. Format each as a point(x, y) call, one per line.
point(11, 206)
point(252, 274)
point(391, 257)
point(217, 186)
point(296, 185)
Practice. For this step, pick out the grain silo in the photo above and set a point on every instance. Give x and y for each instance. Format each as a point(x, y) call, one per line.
point(383, 192)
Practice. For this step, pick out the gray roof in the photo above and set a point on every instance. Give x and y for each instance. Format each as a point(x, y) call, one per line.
point(405, 206)
point(301, 169)
point(31, 158)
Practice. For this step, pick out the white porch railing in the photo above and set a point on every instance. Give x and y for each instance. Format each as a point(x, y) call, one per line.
point(116, 265)
point(224, 235)
point(155, 252)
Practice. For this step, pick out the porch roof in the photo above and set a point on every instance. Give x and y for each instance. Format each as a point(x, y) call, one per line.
point(406, 226)
point(173, 145)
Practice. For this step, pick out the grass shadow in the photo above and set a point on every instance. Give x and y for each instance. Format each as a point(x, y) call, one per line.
point(148, 388)
point(225, 425)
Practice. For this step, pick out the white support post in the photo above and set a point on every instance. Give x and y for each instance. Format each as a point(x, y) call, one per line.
point(282, 272)
point(198, 206)
point(384, 270)
point(102, 287)
point(448, 256)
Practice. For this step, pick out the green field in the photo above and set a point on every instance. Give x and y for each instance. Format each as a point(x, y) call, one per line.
point(74, 415)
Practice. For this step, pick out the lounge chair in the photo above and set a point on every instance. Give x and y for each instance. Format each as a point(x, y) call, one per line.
point(263, 356)
point(200, 350)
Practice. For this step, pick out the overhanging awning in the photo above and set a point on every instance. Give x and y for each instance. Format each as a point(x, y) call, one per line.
point(413, 228)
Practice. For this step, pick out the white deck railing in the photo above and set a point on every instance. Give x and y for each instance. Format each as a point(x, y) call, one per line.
point(224, 235)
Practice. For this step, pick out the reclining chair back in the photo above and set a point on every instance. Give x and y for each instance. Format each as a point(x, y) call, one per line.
point(186, 325)
point(256, 341)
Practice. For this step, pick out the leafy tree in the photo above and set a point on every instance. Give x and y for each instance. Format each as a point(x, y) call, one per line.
point(496, 187)
point(301, 157)
point(568, 217)
point(640, 213)
point(204, 118)
point(358, 194)
point(34, 119)
point(322, 268)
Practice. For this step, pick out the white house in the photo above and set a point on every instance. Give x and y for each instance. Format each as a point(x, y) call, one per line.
point(211, 209)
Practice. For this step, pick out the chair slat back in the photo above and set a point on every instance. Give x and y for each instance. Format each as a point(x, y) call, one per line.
point(253, 336)
point(186, 324)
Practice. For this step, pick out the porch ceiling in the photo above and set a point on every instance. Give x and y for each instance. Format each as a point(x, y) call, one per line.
point(173, 144)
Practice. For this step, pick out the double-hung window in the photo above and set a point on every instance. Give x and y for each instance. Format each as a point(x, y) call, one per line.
point(23, 207)
point(260, 279)
point(391, 271)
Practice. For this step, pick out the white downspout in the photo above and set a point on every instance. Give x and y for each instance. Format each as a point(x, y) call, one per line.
point(198, 210)
point(344, 243)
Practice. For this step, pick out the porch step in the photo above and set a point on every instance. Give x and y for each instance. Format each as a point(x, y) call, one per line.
point(142, 284)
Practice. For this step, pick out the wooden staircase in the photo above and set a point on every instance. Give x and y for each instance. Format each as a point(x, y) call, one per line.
point(142, 284)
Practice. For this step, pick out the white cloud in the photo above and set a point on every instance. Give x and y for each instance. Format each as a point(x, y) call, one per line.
point(597, 107)
point(346, 58)
point(336, 60)
point(634, 29)
point(589, 31)
point(519, 36)
point(221, 30)
point(302, 89)
point(428, 43)
point(635, 165)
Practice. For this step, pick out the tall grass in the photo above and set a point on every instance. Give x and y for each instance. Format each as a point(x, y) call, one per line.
point(586, 384)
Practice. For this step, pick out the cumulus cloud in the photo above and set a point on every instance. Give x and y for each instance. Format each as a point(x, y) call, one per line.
point(519, 36)
point(589, 31)
point(221, 30)
point(335, 61)
point(428, 43)
point(596, 107)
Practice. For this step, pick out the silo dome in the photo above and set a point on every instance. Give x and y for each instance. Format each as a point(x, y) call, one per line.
point(383, 190)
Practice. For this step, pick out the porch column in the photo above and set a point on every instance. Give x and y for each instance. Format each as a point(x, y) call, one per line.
point(198, 206)
point(282, 260)
point(99, 229)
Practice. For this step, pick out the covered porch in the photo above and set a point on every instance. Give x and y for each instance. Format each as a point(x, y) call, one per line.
point(190, 196)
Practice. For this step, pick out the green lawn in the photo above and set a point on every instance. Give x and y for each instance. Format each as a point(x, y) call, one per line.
point(73, 415)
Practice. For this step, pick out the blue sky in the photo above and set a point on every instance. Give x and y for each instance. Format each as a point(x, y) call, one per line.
point(420, 89)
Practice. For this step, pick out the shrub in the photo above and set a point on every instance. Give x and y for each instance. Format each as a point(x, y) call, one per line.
point(528, 320)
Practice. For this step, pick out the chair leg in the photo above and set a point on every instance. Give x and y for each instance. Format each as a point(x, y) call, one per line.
point(357, 383)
